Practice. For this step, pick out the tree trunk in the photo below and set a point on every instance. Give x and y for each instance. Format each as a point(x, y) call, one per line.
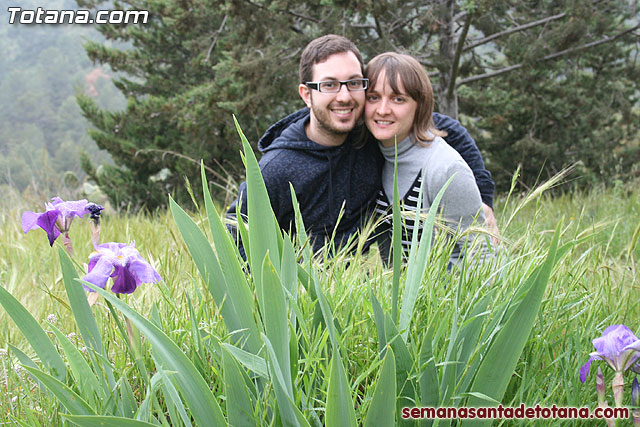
point(446, 101)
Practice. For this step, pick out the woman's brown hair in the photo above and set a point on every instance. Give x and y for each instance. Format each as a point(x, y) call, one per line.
point(397, 68)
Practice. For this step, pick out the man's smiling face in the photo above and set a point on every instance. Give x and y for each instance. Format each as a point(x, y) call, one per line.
point(334, 115)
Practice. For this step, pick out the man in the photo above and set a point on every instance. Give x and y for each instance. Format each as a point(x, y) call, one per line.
point(319, 151)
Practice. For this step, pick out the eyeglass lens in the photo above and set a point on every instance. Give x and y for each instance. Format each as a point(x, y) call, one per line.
point(335, 86)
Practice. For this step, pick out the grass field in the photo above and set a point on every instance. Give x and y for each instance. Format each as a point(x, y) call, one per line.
point(593, 285)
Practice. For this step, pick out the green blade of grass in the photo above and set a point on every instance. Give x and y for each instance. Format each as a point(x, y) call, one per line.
point(255, 364)
point(243, 232)
point(452, 359)
point(88, 384)
point(294, 352)
point(263, 228)
point(103, 421)
point(26, 361)
point(276, 321)
point(290, 414)
point(211, 272)
point(177, 411)
point(239, 404)
point(304, 244)
point(491, 329)
point(195, 332)
point(85, 319)
point(127, 405)
point(327, 314)
point(67, 397)
point(339, 403)
point(301, 233)
point(240, 294)
point(429, 389)
point(404, 362)
point(471, 329)
point(418, 263)
point(289, 268)
point(396, 239)
point(290, 284)
point(499, 362)
point(34, 334)
point(413, 250)
point(382, 411)
point(633, 242)
point(379, 318)
point(469, 340)
point(202, 403)
point(144, 410)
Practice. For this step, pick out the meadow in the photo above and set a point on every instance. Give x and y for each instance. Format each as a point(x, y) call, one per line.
point(324, 342)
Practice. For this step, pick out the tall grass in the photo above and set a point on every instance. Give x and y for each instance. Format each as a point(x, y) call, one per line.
point(340, 364)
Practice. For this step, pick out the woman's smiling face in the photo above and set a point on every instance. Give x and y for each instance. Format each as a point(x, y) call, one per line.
point(389, 115)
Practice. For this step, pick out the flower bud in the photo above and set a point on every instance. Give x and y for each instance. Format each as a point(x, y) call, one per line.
point(600, 389)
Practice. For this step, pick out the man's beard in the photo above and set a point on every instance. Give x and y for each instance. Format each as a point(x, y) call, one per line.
point(326, 125)
point(323, 117)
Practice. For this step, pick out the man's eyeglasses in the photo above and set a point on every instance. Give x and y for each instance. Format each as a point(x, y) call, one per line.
point(334, 86)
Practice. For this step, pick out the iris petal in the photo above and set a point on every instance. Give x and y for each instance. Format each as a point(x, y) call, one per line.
point(47, 221)
point(613, 343)
point(99, 273)
point(125, 283)
point(71, 208)
point(629, 357)
point(143, 271)
point(618, 346)
point(124, 264)
point(92, 262)
point(584, 370)
point(30, 220)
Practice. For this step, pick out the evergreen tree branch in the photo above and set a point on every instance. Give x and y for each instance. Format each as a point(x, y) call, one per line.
point(363, 26)
point(286, 11)
point(489, 75)
point(427, 63)
point(592, 44)
point(459, 16)
point(513, 30)
point(215, 38)
point(299, 15)
point(400, 23)
point(550, 56)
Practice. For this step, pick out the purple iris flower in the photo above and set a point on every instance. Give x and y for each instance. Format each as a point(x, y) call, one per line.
point(57, 217)
point(617, 346)
point(122, 262)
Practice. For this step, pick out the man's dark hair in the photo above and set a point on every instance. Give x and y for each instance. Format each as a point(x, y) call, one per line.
point(318, 50)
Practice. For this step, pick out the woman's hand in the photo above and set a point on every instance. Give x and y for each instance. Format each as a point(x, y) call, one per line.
point(492, 225)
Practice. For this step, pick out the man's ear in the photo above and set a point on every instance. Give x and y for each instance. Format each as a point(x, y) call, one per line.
point(305, 94)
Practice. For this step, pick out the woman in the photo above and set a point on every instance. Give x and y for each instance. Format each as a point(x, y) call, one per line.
point(398, 113)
